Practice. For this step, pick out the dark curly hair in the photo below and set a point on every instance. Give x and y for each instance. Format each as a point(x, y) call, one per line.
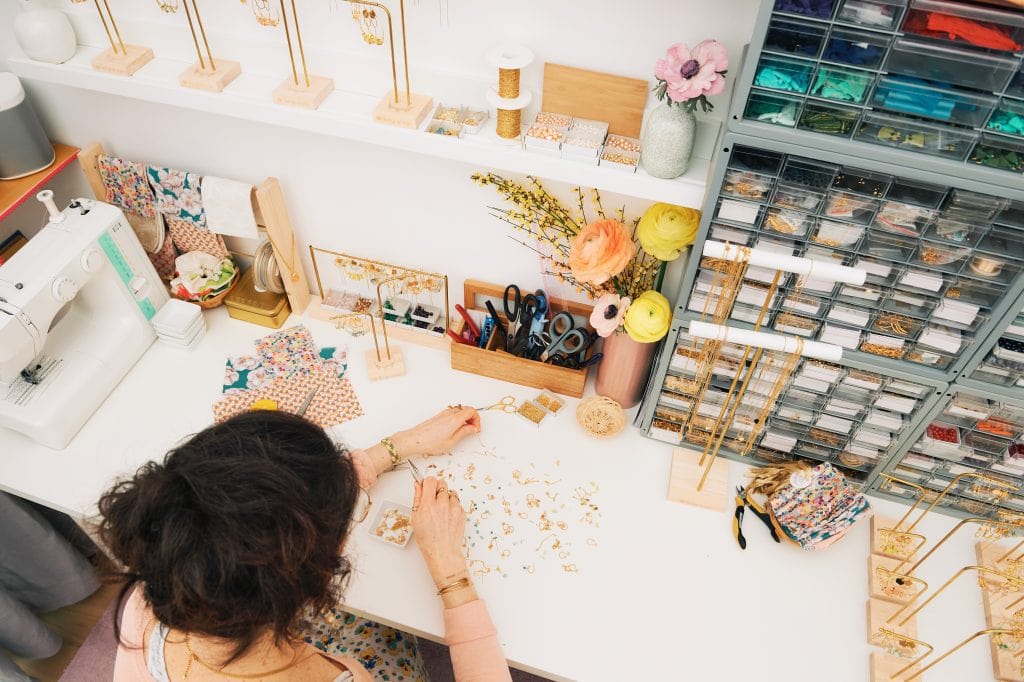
point(239, 530)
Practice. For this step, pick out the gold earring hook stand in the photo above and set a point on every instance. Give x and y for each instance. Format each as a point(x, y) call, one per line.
point(206, 74)
point(893, 664)
point(393, 362)
point(302, 89)
point(122, 59)
point(887, 537)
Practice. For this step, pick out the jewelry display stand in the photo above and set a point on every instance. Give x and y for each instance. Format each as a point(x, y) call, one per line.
point(902, 656)
point(121, 59)
point(888, 539)
point(270, 213)
point(305, 91)
point(684, 483)
point(206, 74)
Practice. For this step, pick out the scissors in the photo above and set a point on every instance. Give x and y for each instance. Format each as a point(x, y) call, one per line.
point(520, 311)
point(506, 404)
point(566, 339)
point(574, 362)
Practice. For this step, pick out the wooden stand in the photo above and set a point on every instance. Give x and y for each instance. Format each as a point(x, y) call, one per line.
point(878, 539)
point(385, 369)
point(682, 484)
point(880, 611)
point(122, 63)
point(884, 666)
point(211, 80)
point(298, 95)
point(875, 582)
point(402, 115)
point(1005, 666)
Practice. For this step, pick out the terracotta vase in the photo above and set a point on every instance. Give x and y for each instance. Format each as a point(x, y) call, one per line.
point(622, 373)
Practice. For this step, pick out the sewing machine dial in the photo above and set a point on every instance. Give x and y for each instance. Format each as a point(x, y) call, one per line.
point(64, 289)
point(92, 260)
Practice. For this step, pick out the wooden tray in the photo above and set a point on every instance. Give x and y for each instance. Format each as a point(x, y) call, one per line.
point(495, 363)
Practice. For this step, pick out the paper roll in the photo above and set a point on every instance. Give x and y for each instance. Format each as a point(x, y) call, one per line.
point(775, 342)
point(818, 270)
point(228, 206)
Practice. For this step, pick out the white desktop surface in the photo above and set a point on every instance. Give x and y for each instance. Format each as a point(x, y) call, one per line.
point(666, 595)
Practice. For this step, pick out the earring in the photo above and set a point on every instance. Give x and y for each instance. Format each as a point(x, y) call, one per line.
point(265, 12)
point(168, 6)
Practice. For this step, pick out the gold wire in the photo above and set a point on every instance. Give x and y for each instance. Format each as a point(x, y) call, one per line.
point(510, 123)
point(508, 83)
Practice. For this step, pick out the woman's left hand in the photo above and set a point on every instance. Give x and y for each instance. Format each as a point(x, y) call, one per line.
point(439, 434)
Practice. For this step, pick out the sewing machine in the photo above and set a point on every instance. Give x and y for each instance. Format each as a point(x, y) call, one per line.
point(75, 305)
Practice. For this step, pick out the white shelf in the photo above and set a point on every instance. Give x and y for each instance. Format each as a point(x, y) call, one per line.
point(347, 115)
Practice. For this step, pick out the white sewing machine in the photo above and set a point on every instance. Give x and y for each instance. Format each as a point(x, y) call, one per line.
point(75, 305)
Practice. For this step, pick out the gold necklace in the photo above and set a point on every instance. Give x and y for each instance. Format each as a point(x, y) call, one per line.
point(193, 656)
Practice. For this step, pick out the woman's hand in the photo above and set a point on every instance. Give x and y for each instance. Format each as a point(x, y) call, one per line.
point(439, 434)
point(439, 523)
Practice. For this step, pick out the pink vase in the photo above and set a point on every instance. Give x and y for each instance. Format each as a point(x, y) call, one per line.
point(622, 372)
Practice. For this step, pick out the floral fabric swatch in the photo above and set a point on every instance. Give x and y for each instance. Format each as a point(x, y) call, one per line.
point(126, 185)
point(386, 653)
point(246, 372)
point(334, 403)
point(177, 194)
point(187, 237)
point(289, 351)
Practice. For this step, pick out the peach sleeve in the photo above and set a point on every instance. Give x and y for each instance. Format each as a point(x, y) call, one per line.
point(365, 471)
point(473, 642)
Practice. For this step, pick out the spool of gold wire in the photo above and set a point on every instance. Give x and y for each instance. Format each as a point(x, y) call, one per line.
point(508, 83)
point(510, 123)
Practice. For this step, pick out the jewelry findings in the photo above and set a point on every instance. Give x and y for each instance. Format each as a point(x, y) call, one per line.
point(265, 12)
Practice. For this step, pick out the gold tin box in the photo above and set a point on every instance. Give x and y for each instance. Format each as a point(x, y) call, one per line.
point(267, 308)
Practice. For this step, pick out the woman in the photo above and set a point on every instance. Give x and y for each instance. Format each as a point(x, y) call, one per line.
point(242, 529)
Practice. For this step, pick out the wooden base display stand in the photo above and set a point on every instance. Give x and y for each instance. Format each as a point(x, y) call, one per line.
point(884, 541)
point(121, 63)
point(884, 666)
point(998, 613)
point(298, 95)
point(385, 368)
point(686, 474)
point(881, 611)
point(878, 583)
point(402, 115)
point(211, 80)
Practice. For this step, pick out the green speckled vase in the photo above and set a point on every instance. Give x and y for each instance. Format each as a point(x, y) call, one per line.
point(667, 141)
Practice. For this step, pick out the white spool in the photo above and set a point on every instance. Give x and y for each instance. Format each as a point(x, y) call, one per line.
point(775, 342)
point(819, 270)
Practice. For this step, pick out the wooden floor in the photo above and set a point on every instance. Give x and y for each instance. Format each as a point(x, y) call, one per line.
point(73, 623)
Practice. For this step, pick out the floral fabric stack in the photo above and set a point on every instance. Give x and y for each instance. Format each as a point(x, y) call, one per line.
point(284, 367)
point(816, 507)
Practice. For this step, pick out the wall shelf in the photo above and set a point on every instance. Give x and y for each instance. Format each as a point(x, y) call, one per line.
point(13, 193)
point(347, 115)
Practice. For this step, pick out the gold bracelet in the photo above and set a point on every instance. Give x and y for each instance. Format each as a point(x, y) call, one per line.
point(395, 459)
point(455, 586)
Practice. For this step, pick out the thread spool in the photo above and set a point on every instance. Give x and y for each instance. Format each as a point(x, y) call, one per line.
point(508, 83)
point(510, 123)
point(508, 99)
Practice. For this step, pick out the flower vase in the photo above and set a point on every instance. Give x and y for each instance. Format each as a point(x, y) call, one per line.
point(44, 33)
point(666, 145)
point(622, 373)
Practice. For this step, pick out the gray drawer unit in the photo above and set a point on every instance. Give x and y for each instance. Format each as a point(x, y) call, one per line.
point(969, 431)
point(879, 80)
point(849, 413)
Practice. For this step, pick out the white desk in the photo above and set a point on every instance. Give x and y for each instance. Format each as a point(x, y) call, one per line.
point(666, 595)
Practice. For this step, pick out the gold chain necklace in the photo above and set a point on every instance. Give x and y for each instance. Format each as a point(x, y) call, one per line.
point(193, 656)
point(292, 275)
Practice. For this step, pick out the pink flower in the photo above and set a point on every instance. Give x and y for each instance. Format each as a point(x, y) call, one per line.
point(608, 313)
point(688, 74)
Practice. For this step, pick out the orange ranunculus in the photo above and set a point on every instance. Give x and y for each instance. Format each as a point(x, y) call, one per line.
point(602, 250)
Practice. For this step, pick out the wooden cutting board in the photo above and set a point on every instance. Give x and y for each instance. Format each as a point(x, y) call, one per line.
point(599, 96)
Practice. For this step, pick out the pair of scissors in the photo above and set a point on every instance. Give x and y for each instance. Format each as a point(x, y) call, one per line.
point(520, 311)
point(415, 470)
point(574, 361)
point(506, 404)
point(566, 339)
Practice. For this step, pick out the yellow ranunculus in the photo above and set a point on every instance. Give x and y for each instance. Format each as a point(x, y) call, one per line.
point(648, 317)
point(666, 229)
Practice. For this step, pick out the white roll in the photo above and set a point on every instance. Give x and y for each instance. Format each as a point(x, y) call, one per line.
point(819, 270)
point(776, 342)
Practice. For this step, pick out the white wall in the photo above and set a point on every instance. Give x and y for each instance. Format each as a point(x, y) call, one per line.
point(380, 203)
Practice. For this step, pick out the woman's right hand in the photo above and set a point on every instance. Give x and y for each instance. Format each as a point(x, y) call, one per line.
point(439, 523)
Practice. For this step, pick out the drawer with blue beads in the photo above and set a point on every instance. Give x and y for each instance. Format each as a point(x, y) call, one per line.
point(933, 77)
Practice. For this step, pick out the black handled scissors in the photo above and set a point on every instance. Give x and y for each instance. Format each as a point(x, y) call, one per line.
point(520, 311)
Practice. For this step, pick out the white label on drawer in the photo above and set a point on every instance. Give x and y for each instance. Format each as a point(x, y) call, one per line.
point(850, 315)
point(896, 403)
point(811, 384)
point(738, 211)
point(873, 268)
point(964, 313)
point(887, 341)
point(942, 340)
point(920, 280)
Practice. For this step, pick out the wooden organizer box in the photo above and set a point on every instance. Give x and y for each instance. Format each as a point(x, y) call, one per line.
point(495, 363)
